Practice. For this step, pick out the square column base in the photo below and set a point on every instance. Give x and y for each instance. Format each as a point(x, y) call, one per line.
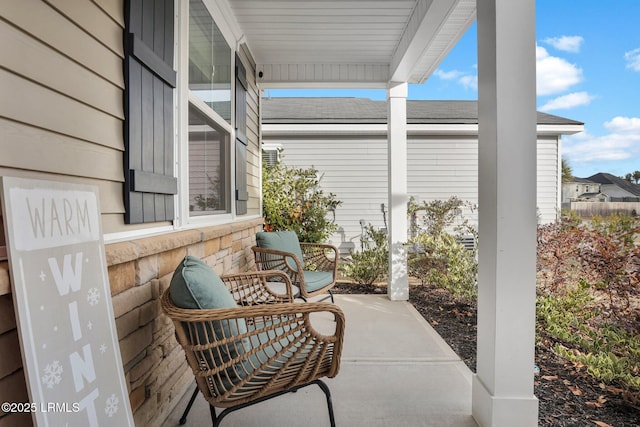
point(508, 411)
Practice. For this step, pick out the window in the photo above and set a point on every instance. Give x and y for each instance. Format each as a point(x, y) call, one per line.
point(209, 61)
point(209, 130)
point(208, 175)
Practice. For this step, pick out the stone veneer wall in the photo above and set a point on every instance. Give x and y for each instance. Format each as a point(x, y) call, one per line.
point(139, 271)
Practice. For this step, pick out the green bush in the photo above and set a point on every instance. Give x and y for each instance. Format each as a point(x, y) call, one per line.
point(292, 199)
point(434, 253)
point(370, 264)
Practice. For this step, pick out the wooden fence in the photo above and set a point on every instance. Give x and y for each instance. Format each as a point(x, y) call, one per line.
point(591, 209)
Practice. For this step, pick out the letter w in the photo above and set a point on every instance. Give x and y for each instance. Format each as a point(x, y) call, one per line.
point(69, 279)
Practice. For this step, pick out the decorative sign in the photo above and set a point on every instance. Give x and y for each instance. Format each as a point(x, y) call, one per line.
point(63, 304)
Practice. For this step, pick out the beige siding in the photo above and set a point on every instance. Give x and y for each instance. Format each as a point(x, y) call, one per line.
point(61, 81)
point(253, 134)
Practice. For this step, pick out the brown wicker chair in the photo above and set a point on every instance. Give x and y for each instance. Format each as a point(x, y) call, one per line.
point(261, 349)
point(312, 267)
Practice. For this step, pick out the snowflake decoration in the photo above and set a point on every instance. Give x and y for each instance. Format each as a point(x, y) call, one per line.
point(93, 297)
point(52, 374)
point(103, 349)
point(111, 406)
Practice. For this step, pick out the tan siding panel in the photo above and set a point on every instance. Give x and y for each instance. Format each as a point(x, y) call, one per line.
point(35, 149)
point(253, 132)
point(48, 25)
point(110, 192)
point(27, 102)
point(93, 20)
point(38, 62)
point(113, 8)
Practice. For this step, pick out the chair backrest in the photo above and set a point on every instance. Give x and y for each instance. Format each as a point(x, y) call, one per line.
point(195, 285)
point(286, 241)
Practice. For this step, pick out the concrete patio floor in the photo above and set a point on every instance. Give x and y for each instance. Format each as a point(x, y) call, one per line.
point(396, 371)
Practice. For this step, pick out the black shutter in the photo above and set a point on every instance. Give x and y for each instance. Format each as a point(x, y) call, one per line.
point(241, 139)
point(148, 106)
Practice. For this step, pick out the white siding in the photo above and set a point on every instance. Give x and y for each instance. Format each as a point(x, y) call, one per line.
point(355, 169)
point(438, 167)
point(548, 180)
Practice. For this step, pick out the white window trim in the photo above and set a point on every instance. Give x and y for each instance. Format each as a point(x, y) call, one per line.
point(183, 98)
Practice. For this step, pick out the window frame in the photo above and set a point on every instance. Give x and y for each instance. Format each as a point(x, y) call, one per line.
point(183, 99)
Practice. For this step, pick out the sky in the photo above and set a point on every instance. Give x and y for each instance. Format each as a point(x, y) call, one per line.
point(588, 69)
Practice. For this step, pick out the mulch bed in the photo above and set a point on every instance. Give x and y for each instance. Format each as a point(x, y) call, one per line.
point(568, 396)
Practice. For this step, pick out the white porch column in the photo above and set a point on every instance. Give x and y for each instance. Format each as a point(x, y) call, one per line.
point(398, 289)
point(503, 386)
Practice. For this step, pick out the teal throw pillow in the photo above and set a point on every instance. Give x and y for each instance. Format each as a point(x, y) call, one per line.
point(283, 241)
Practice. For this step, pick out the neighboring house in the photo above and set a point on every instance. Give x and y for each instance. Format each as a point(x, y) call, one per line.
point(612, 194)
point(616, 188)
point(346, 140)
point(580, 188)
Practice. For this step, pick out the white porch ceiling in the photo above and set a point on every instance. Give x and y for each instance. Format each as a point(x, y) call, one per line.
point(349, 43)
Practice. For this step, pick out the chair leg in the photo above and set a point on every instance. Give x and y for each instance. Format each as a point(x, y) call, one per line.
point(183, 419)
point(327, 393)
point(214, 418)
point(217, 419)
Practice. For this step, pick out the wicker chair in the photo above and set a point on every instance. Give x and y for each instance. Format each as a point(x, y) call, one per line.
point(312, 267)
point(263, 348)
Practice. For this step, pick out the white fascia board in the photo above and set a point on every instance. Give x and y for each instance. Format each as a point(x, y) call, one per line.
point(413, 129)
point(323, 129)
point(559, 129)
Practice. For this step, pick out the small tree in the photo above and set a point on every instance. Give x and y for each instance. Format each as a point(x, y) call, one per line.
point(293, 200)
point(567, 172)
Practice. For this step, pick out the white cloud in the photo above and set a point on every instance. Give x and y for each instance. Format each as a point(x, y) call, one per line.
point(633, 59)
point(554, 75)
point(465, 79)
point(448, 75)
point(469, 81)
point(622, 143)
point(570, 100)
point(624, 125)
point(565, 43)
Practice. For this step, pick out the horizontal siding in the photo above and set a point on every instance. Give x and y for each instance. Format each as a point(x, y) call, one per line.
point(61, 79)
point(355, 170)
point(438, 167)
point(47, 24)
point(441, 167)
point(26, 147)
point(547, 182)
point(253, 135)
point(34, 60)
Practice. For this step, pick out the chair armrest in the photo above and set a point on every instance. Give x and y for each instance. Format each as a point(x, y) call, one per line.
point(275, 348)
point(322, 256)
point(273, 259)
point(252, 287)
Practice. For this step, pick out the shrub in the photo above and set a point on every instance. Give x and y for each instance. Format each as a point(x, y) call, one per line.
point(370, 264)
point(588, 296)
point(435, 254)
point(292, 199)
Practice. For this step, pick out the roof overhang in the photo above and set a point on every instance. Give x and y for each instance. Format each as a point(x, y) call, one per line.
point(354, 43)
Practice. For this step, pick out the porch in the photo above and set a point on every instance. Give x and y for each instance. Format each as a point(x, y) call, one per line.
point(396, 370)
